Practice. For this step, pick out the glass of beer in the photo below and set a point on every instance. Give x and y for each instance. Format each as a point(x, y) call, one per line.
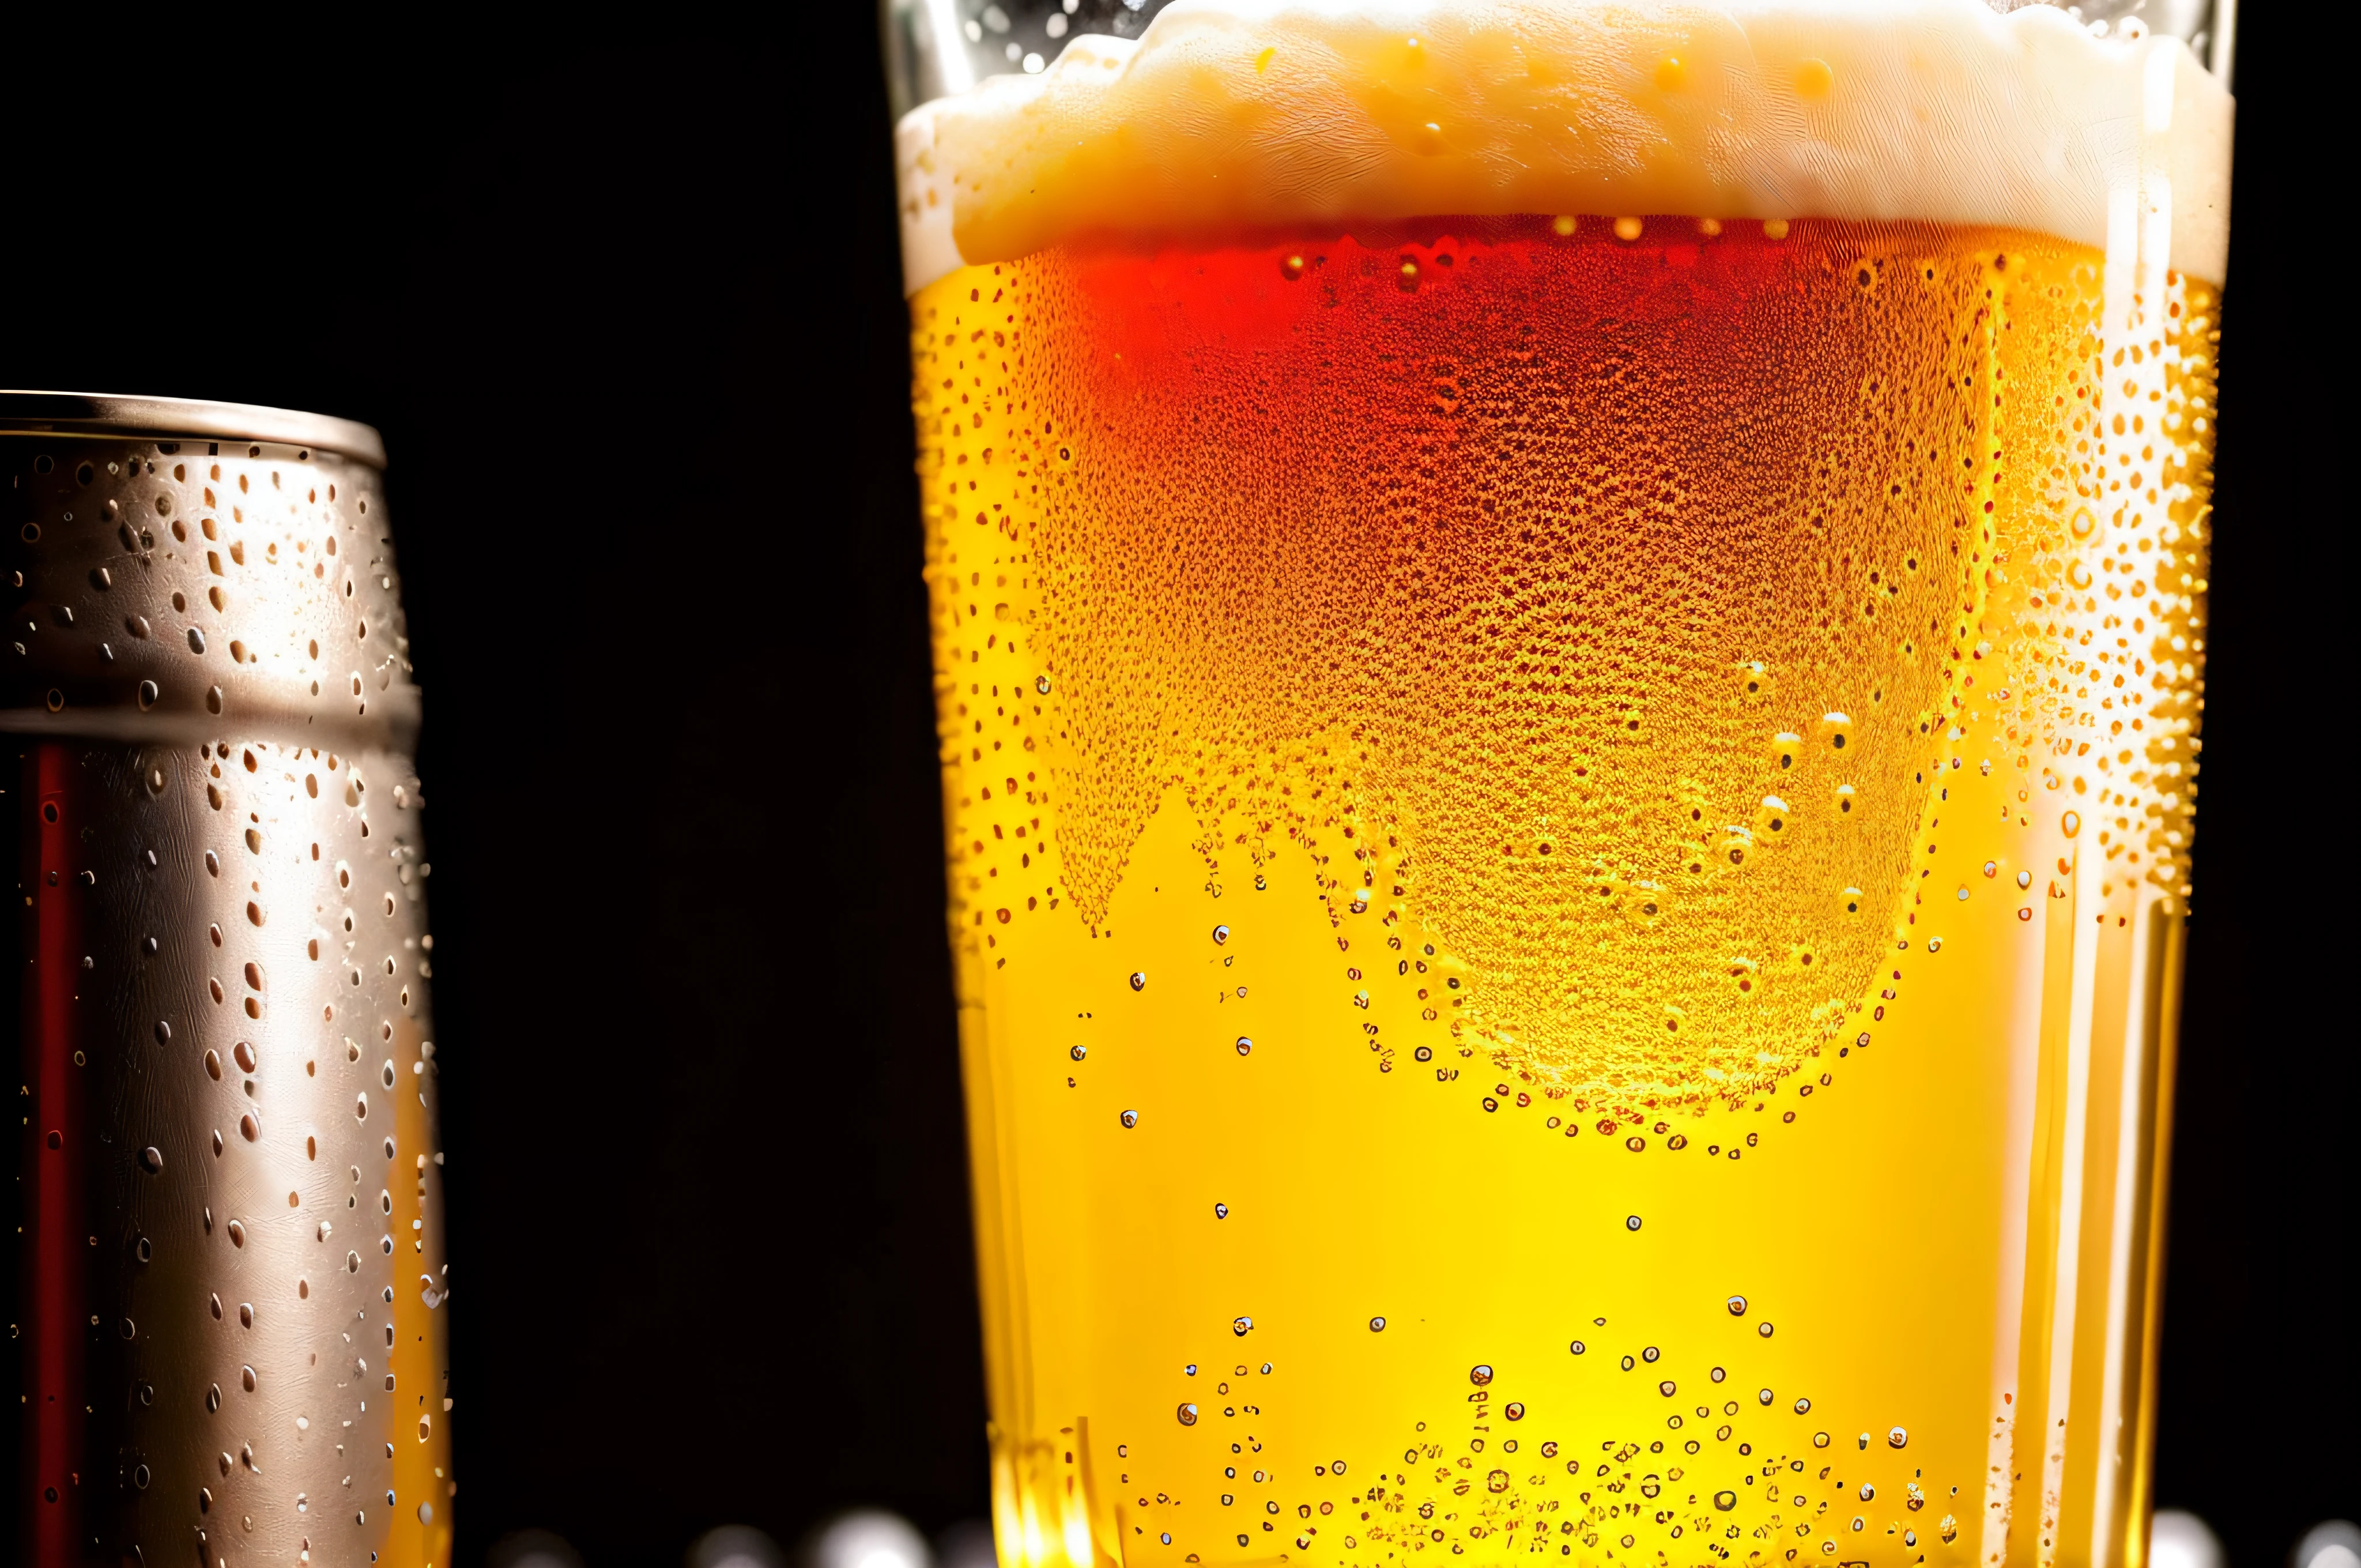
point(1568, 641)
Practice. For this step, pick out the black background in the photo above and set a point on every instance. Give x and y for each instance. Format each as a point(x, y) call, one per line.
point(630, 320)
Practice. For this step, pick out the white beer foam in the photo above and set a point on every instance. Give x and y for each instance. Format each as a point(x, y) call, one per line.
point(1265, 113)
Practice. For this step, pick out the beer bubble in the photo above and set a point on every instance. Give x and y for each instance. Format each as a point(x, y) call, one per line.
point(1991, 868)
point(1666, 1388)
point(1290, 268)
point(1627, 229)
point(1221, 1210)
point(1563, 226)
point(1803, 1406)
point(1221, 935)
point(1835, 730)
point(1241, 1326)
point(1771, 819)
point(1497, 1481)
point(1480, 1376)
point(1864, 1440)
point(1844, 799)
point(1577, 1347)
point(1130, 1118)
point(2070, 823)
point(1868, 1492)
point(1079, 1052)
point(1515, 1412)
point(1650, 1355)
point(1819, 1440)
point(1814, 80)
point(1849, 902)
point(1245, 1046)
point(1138, 979)
point(1718, 1375)
point(1041, 685)
point(1898, 1438)
point(1763, 1329)
point(1710, 227)
point(1765, 1397)
point(1725, 1501)
point(1376, 1326)
point(1786, 749)
point(1774, 228)
point(1187, 1414)
point(1632, 1222)
point(1629, 1363)
point(2024, 879)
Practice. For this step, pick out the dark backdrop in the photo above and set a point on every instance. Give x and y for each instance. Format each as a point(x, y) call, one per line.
point(630, 320)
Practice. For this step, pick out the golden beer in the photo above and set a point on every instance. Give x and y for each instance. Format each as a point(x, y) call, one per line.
point(1567, 831)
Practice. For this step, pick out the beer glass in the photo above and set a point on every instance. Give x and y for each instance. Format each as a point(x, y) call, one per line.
point(229, 1241)
point(1568, 641)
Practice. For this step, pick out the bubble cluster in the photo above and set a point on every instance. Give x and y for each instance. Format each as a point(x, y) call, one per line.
point(1707, 638)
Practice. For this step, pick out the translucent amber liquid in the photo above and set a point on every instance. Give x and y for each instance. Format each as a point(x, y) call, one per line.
point(1567, 855)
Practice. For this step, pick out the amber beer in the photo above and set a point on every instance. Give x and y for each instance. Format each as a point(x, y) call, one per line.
point(1567, 830)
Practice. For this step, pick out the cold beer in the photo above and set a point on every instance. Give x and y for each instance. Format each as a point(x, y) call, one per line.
point(1568, 647)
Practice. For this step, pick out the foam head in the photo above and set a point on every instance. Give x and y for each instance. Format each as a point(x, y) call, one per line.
point(1238, 114)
